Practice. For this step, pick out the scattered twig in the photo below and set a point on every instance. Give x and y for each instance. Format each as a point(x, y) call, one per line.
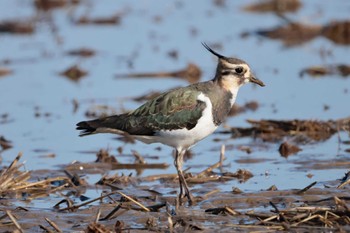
point(205, 196)
point(54, 225)
point(74, 207)
point(170, 224)
point(13, 219)
point(306, 188)
point(275, 207)
point(159, 177)
point(46, 229)
point(110, 214)
point(222, 211)
point(133, 200)
point(97, 216)
point(280, 215)
point(214, 166)
point(231, 211)
point(139, 158)
point(341, 203)
point(345, 180)
point(67, 201)
point(13, 164)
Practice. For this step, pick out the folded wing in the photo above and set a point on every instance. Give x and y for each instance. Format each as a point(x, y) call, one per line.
point(172, 110)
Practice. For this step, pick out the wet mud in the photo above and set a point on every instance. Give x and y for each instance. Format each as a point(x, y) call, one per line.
point(128, 203)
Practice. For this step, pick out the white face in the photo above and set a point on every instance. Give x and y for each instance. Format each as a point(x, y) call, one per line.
point(238, 73)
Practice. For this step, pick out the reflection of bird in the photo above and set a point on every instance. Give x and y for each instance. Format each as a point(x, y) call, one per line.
point(181, 117)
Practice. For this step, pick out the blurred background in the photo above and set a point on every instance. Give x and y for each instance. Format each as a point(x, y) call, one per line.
point(63, 61)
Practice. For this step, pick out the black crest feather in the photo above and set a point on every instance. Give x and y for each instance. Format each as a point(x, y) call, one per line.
point(212, 51)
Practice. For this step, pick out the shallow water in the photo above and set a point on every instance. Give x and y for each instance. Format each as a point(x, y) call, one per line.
point(39, 105)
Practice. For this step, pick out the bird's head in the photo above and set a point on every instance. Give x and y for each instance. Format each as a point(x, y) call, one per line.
point(233, 72)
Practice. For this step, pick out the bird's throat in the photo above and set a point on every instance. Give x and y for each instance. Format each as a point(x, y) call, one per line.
point(231, 86)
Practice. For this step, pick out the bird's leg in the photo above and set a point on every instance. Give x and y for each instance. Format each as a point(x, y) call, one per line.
point(178, 166)
point(183, 184)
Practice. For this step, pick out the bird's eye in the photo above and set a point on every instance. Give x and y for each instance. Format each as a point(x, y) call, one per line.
point(239, 70)
point(225, 72)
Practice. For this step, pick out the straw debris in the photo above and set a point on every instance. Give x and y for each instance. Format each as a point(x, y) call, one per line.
point(305, 130)
point(13, 181)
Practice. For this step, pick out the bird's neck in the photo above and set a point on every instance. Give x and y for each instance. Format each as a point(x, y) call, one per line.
point(229, 85)
point(234, 93)
point(222, 101)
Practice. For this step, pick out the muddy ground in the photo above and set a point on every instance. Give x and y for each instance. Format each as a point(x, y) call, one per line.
point(129, 204)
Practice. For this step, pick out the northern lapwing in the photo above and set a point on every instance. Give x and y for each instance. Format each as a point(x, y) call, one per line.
point(183, 116)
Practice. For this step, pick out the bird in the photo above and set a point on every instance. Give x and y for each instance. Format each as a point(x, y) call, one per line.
point(183, 116)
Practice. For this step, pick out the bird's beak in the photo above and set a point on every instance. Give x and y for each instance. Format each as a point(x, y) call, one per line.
point(253, 79)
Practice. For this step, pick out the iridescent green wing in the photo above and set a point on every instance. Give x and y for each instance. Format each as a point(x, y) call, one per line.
point(172, 110)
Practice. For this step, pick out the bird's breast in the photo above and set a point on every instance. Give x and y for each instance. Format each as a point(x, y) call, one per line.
point(186, 138)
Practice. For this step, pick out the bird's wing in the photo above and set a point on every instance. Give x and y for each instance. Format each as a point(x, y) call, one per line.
point(172, 110)
point(176, 109)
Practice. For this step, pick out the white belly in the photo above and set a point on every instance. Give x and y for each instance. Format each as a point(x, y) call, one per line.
point(184, 138)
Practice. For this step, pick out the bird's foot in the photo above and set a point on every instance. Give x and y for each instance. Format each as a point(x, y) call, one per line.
point(187, 196)
point(190, 198)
